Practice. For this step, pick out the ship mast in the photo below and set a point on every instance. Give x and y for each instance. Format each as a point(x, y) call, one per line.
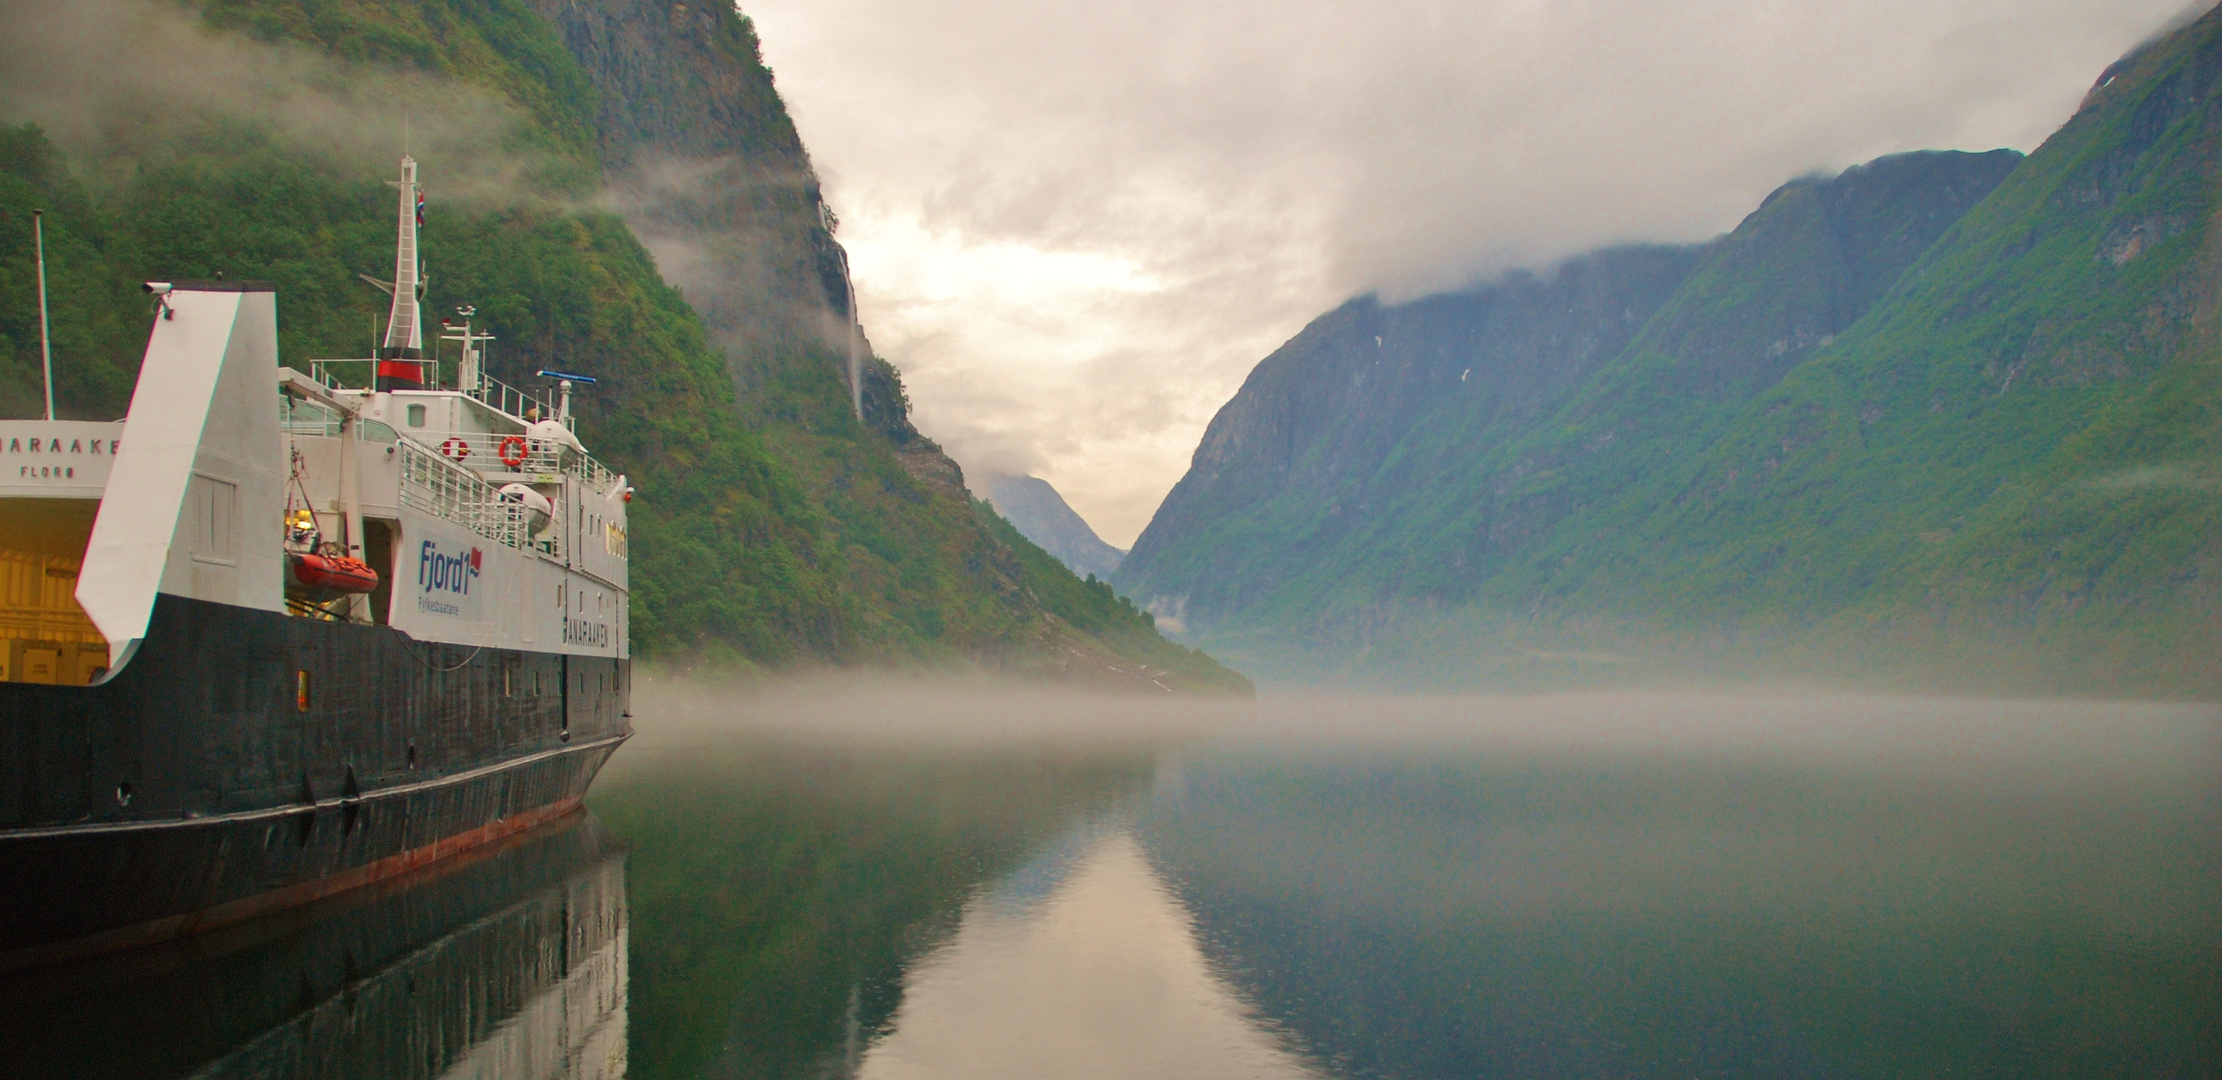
point(401, 360)
point(46, 337)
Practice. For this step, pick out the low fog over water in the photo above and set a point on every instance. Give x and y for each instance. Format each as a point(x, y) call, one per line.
point(988, 882)
point(1978, 740)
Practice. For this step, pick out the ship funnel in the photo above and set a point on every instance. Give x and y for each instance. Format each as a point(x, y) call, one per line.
point(401, 360)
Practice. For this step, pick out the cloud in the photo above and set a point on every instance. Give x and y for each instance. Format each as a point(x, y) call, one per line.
point(113, 80)
point(1252, 163)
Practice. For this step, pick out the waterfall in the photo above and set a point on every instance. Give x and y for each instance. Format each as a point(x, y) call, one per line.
point(829, 223)
point(856, 362)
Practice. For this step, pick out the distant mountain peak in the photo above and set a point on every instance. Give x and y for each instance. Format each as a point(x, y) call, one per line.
point(1031, 505)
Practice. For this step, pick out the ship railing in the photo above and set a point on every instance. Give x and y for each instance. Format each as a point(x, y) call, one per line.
point(591, 474)
point(536, 461)
point(509, 399)
point(324, 371)
point(435, 485)
point(492, 391)
point(297, 416)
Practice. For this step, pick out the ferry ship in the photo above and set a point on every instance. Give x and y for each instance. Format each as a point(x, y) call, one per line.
point(279, 633)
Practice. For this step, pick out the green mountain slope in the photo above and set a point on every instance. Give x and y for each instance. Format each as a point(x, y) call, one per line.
point(1867, 435)
point(1464, 427)
point(773, 527)
point(1760, 302)
point(1319, 441)
point(2004, 471)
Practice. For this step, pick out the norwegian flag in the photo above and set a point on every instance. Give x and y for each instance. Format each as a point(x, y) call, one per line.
point(420, 209)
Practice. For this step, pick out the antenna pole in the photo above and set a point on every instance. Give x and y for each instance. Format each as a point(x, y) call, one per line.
point(469, 371)
point(46, 338)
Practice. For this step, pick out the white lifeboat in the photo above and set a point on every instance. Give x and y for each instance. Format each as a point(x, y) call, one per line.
point(551, 433)
point(539, 509)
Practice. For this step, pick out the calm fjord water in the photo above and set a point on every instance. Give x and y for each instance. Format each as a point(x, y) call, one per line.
point(923, 883)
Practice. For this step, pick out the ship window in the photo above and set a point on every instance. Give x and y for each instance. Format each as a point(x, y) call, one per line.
point(416, 416)
point(377, 432)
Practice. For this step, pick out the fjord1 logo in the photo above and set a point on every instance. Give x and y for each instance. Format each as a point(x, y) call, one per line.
point(447, 582)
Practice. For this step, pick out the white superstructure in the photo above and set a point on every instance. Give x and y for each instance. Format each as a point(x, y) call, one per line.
point(486, 520)
point(436, 490)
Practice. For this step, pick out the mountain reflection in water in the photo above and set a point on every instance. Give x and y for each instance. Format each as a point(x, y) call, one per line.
point(1094, 972)
point(783, 888)
point(505, 964)
point(1416, 912)
point(917, 885)
point(1671, 886)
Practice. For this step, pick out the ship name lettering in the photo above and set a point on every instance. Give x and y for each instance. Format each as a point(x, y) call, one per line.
point(438, 571)
point(103, 447)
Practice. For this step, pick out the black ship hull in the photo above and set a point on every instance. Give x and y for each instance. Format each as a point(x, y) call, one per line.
point(244, 761)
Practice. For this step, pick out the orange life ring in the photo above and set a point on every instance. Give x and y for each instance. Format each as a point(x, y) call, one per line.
point(512, 451)
point(455, 448)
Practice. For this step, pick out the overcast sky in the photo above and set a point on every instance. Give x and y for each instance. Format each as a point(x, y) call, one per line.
point(1077, 226)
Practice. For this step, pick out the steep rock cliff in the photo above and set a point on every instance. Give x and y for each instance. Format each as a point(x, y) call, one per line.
point(703, 161)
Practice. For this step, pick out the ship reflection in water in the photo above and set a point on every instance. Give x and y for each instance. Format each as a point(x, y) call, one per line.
point(504, 965)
